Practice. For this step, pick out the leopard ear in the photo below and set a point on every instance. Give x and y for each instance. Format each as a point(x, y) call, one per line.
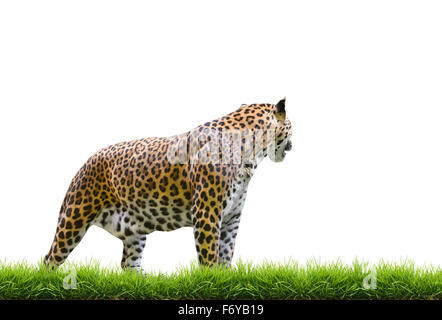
point(280, 106)
point(280, 110)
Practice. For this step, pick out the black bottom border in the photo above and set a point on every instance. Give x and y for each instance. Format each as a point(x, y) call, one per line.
point(221, 309)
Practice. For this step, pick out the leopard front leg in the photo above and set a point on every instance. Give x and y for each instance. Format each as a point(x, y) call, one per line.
point(229, 230)
point(211, 185)
point(206, 231)
point(133, 247)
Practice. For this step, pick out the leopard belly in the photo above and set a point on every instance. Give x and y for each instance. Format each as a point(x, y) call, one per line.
point(124, 222)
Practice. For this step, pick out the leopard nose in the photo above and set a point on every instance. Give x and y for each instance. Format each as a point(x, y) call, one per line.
point(288, 146)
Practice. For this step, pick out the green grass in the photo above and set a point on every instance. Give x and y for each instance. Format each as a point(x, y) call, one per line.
point(242, 281)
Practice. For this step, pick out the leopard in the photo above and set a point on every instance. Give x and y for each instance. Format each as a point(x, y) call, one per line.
point(197, 179)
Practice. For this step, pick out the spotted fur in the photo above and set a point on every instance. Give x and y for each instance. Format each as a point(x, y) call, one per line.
point(134, 188)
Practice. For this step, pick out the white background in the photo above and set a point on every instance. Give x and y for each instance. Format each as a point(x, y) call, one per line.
point(363, 82)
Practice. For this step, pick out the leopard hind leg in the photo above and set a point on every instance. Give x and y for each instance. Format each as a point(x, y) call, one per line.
point(75, 218)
